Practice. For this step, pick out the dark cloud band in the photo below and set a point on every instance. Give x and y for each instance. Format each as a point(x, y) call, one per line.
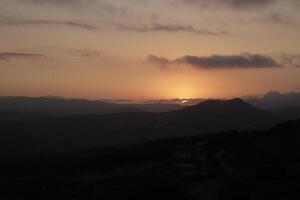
point(291, 59)
point(231, 3)
point(7, 56)
point(59, 2)
point(243, 61)
point(170, 28)
point(5, 21)
point(87, 53)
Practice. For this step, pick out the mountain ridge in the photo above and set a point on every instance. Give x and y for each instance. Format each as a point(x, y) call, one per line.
point(62, 106)
point(65, 133)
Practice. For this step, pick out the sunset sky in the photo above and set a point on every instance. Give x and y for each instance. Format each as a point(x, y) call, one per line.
point(149, 49)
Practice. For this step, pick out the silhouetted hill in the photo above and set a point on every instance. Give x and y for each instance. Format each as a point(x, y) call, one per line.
point(64, 107)
point(221, 107)
point(39, 135)
point(250, 165)
point(274, 100)
point(219, 115)
point(285, 106)
point(54, 106)
point(158, 107)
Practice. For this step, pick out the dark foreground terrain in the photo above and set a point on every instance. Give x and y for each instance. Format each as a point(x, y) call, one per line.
point(227, 165)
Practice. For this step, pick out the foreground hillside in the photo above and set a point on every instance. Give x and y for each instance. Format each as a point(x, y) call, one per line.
point(254, 165)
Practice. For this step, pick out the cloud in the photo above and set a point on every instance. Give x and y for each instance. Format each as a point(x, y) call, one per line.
point(242, 61)
point(7, 56)
point(275, 18)
point(78, 25)
point(233, 61)
point(233, 3)
point(241, 4)
point(161, 62)
point(78, 5)
point(292, 60)
point(58, 2)
point(8, 21)
point(169, 28)
point(87, 53)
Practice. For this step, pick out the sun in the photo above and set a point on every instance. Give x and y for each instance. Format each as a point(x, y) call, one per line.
point(184, 101)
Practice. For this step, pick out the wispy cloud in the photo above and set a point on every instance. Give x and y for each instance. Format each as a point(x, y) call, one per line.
point(87, 53)
point(169, 28)
point(159, 61)
point(59, 2)
point(242, 61)
point(240, 4)
point(7, 56)
point(274, 18)
point(75, 5)
point(9, 21)
point(78, 25)
point(291, 59)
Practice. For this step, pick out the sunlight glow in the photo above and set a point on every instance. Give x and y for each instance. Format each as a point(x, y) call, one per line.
point(184, 101)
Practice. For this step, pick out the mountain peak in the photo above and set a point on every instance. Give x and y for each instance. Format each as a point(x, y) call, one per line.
point(235, 101)
point(236, 105)
point(272, 94)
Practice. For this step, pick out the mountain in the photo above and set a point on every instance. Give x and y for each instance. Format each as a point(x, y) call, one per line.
point(235, 106)
point(66, 107)
point(158, 107)
point(69, 133)
point(219, 115)
point(285, 106)
point(54, 106)
point(275, 100)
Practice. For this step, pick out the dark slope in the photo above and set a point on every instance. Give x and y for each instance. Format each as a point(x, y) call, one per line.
point(55, 106)
point(217, 115)
point(58, 134)
point(285, 106)
point(274, 100)
point(67, 107)
point(158, 107)
point(249, 165)
point(234, 106)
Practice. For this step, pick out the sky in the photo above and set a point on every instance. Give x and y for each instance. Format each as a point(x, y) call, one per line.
point(148, 49)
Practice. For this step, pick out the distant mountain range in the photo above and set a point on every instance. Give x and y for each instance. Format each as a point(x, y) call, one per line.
point(64, 107)
point(284, 105)
point(218, 115)
point(68, 133)
point(274, 100)
point(223, 149)
point(52, 105)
